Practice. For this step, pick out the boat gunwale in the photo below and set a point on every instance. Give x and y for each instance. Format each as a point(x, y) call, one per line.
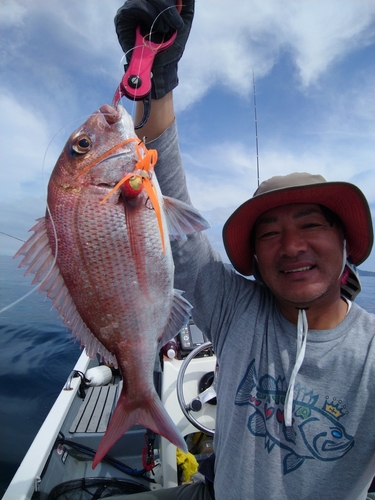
point(23, 483)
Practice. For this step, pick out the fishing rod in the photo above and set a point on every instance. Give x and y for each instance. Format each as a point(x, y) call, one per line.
point(256, 126)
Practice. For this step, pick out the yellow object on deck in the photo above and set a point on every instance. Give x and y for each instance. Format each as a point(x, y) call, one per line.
point(189, 464)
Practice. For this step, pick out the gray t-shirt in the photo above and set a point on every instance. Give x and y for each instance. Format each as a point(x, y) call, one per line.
point(329, 452)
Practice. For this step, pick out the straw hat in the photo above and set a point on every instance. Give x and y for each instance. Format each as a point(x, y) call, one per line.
point(343, 198)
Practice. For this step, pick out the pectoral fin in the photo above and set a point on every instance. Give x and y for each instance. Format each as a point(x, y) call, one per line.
point(182, 219)
point(178, 318)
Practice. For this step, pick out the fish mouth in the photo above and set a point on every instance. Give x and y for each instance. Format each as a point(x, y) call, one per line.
point(111, 114)
point(112, 157)
point(107, 190)
point(329, 446)
point(106, 185)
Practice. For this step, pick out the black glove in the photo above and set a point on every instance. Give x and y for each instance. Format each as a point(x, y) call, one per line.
point(143, 13)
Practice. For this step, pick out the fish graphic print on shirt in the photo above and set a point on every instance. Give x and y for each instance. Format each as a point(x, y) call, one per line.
point(316, 432)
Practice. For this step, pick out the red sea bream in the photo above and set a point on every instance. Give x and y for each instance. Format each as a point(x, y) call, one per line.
point(102, 254)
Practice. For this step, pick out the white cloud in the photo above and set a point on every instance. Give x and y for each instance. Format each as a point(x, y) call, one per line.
point(220, 175)
point(225, 178)
point(229, 39)
point(350, 113)
point(12, 13)
point(323, 32)
point(24, 141)
point(61, 60)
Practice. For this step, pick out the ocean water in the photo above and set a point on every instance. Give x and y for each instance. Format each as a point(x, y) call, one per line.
point(36, 357)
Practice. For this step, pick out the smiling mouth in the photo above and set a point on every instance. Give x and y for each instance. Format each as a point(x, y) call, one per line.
point(300, 269)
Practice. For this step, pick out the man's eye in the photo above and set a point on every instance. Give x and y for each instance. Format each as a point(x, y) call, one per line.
point(269, 234)
point(312, 225)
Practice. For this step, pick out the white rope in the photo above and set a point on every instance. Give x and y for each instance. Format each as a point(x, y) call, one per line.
point(302, 328)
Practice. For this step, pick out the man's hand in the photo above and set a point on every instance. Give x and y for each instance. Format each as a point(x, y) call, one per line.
point(162, 17)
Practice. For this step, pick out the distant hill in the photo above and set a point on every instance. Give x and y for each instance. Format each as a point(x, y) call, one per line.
point(365, 273)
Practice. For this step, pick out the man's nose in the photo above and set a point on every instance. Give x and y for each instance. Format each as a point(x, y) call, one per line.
point(292, 242)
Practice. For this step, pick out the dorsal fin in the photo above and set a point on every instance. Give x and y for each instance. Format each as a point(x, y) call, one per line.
point(39, 259)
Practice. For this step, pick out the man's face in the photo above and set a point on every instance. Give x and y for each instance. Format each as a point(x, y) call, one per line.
point(300, 256)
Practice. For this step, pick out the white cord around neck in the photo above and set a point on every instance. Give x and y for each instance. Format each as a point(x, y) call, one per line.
point(302, 328)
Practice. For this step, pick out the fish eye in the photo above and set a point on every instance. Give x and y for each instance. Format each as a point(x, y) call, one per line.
point(336, 433)
point(82, 144)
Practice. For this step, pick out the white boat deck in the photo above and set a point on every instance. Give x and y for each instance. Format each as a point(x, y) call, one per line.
point(96, 409)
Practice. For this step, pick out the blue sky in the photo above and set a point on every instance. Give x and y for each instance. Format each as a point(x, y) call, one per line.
point(315, 80)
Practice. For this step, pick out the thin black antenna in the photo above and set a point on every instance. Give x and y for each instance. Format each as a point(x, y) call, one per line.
point(256, 126)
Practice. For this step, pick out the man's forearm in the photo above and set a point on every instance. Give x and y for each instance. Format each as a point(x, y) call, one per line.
point(161, 117)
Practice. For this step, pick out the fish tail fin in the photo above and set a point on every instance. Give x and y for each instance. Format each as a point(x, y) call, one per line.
point(151, 415)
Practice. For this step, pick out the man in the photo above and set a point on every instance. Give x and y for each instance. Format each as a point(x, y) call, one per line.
point(296, 405)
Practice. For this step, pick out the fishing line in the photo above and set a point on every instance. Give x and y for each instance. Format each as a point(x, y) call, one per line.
point(44, 187)
point(156, 18)
point(26, 294)
point(44, 184)
point(133, 101)
point(53, 224)
point(149, 36)
point(11, 236)
point(18, 300)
